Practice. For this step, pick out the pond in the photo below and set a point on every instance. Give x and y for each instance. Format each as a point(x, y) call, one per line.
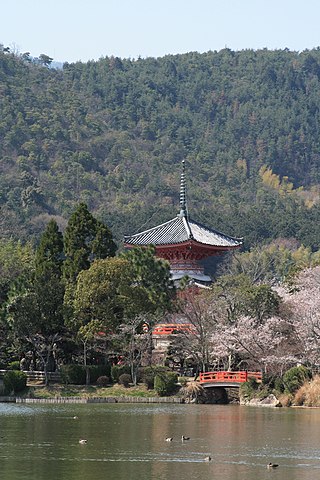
point(126, 441)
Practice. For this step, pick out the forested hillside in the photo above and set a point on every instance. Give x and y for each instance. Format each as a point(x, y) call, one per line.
point(112, 133)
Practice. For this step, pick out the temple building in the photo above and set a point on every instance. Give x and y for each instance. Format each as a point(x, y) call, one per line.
point(184, 242)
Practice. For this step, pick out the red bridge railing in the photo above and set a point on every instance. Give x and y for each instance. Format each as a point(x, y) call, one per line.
point(170, 328)
point(229, 377)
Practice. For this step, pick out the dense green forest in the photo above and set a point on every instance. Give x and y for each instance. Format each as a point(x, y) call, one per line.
point(112, 133)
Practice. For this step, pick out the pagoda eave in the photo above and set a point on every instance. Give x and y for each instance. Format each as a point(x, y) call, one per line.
point(201, 250)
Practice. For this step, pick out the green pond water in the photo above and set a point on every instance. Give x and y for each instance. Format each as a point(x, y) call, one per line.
point(128, 442)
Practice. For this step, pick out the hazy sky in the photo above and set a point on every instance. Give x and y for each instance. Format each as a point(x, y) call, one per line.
point(71, 30)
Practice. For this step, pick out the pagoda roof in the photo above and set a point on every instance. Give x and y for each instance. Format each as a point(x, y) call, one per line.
point(182, 229)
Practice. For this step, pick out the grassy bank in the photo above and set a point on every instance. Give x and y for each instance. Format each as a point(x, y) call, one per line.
point(57, 390)
point(308, 395)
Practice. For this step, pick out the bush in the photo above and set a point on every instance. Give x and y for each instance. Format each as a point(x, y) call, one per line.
point(270, 380)
point(148, 374)
point(14, 365)
point(278, 385)
point(125, 379)
point(165, 383)
point(295, 377)
point(117, 370)
point(160, 385)
point(249, 389)
point(97, 371)
point(103, 381)
point(74, 374)
point(14, 381)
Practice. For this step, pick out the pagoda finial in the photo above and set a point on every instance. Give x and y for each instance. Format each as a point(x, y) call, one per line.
point(183, 200)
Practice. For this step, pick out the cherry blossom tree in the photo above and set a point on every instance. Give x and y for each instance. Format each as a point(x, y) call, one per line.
point(301, 304)
point(246, 326)
point(255, 346)
point(202, 313)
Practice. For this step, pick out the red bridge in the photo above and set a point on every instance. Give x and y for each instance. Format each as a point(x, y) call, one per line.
point(228, 379)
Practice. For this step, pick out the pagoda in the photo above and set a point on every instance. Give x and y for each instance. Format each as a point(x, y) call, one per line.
point(184, 242)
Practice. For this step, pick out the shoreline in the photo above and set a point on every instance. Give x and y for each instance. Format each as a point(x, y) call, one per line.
point(123, 399)
point(120, 399)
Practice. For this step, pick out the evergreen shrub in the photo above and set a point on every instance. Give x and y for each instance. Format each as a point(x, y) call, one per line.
point(74, 374)
point(273, 382)
point(15, 365)
point(103, 381)
point(97, 371)
point(14, 381)
point(165, 383)
point(249, 389)
point(148, 374)
point(125, 379)
point(117, 370)
point(295, 377)
point(278, 384)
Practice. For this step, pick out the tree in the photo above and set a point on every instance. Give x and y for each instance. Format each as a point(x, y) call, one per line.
point(115, 292)
point(103, 293)
point(133, 344)
point(16, 266)
point(36, 311)
point(48, 283)
point(85, 239)
point(88, 334)
point(261, 302)
point(45, 59)
point(30, 328)
point(103, 245)
point(271, 263)
point(231, 325)
point(256, 346)
point(50, 250)
point(301, 306)
point(195, 342)
point(152, 276)
point(241, 297)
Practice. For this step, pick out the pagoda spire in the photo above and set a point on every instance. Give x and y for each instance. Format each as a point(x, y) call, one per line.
point(183, 198)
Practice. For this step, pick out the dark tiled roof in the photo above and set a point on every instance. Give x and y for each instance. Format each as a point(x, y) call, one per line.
point(179, 230)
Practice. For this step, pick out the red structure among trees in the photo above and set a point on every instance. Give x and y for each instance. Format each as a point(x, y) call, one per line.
point(228, 378)
point(184, 242)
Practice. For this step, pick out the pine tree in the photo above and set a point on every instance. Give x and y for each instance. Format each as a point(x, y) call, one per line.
point(50, 250)
point(103, 245)
point(152, 276)
point(85, 240)
point(48, 283)
point(36, 312)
